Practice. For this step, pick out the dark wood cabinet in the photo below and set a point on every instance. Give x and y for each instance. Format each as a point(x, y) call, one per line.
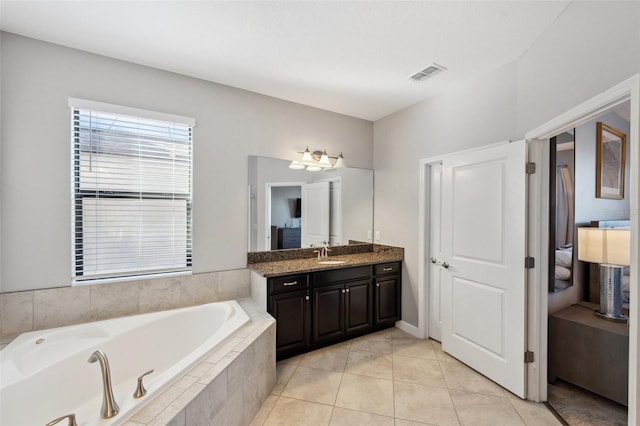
point(341, 309)
point(387, 293)
point(291, 310)
point(321, 308)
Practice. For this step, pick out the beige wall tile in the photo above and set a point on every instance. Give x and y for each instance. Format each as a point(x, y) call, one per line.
point(61, 306)
point(159, 294)
point(209, 402)
point(114, 300)
point(232, 413)
point(198, 289)
point(234, 284)
point(284, 372)
point(153, 408)
point(16, 312)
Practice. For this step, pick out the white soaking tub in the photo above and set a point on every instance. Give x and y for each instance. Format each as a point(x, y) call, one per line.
point(45, 374)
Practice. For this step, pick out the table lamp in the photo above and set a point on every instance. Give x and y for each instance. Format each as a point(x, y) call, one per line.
point(609, 247)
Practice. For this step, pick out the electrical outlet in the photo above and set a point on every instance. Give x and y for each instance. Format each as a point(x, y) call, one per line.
point(377, 235)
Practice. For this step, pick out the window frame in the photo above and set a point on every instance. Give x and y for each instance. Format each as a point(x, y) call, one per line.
point(78, 195)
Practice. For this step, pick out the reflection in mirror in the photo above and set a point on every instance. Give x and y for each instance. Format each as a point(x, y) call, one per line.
point(297, 208)
point(561, 218)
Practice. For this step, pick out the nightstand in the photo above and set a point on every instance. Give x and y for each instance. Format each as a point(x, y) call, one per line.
point(589, 352)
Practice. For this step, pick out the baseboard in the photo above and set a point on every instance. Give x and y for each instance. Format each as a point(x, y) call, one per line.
point(408, 328)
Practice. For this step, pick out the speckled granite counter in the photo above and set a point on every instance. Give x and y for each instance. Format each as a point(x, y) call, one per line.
point(378, 254)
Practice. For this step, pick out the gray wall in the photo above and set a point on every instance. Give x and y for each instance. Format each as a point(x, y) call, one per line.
point(569, 64)
point(37, 78)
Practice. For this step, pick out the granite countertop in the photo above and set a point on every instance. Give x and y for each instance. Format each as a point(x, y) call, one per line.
point(294, 266)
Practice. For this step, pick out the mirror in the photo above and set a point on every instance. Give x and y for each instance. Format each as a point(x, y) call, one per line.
point(296, 208)
point(561, 217)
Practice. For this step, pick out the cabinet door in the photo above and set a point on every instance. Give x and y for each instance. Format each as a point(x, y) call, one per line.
point(387, 300)
point(328, 312)
point(291, 311)
point(358, 302)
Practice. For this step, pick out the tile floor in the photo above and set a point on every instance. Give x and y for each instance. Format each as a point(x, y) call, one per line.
point(390, 378)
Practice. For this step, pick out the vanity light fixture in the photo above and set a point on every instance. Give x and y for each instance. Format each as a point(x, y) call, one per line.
point(316, 161)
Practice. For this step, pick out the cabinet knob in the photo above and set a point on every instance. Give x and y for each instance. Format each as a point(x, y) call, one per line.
point(347, 290)
point(377, 284)
point(343, 291)
point(306, 298)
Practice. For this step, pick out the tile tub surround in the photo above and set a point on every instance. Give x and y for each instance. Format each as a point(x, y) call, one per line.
point(388, 378)
point(378, 254)
point(227, 387)
point(25, 311)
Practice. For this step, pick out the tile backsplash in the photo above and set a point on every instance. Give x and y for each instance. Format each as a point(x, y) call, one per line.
point(39, 309)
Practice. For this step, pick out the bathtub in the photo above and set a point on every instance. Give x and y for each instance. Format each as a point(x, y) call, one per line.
point(45, 374)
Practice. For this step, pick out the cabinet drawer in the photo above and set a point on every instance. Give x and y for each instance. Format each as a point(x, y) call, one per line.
point(386, 268)
point(288, 283)
point(338, 275)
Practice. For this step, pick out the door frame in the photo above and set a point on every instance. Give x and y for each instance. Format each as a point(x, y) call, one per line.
point(267, 208)
point(537, 303)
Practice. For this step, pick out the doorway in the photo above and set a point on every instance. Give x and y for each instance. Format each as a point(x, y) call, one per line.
point(537, 241)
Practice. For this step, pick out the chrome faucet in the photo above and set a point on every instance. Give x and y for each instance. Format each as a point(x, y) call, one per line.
point(109, 406)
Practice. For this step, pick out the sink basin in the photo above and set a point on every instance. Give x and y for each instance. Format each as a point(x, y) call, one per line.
point(332, 262)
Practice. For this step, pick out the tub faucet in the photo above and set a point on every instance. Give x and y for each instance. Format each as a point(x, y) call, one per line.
point(109, 406)
point(71, 420)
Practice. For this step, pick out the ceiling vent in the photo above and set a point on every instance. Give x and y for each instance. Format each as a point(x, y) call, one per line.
point(428, 72)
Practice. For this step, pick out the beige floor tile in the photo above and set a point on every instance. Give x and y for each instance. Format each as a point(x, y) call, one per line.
point(480, 410)
point(414, 348)
point(313, 384)
point(295, 360)
point(534, 413)
point(284, 372)
point(403, 422)
point(346, 417)
point(424, 404)
point(440, 354)
point(396, 333)
point(370, 364)
point(460, 377)
point(378, 335)
point(293, 412)
point(417, 370)
point(332, 358)
point(379, 345)
point(265, 410)
point(363, 393)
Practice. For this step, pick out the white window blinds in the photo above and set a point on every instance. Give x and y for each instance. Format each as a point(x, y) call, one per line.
point(131, 195)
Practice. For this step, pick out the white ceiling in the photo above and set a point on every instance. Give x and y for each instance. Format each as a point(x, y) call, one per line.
point(353, 58)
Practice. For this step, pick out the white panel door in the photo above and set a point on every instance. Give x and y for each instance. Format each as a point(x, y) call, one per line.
point(484, 247)
point(435, 252)
point(335, 217)
point(315, 214)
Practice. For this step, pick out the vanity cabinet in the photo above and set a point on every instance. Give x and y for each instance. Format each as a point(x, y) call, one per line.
point(325, 307)
point(289, 302)
point(387, 293)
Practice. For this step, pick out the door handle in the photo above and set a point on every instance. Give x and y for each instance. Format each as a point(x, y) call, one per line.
point(445, 265)
point(433, 259)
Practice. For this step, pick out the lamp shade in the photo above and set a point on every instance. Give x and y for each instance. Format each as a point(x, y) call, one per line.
point(604, 245)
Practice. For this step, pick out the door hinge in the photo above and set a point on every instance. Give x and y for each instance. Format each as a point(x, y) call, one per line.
point(529, 262)
point(531, 168)
point(528, 357)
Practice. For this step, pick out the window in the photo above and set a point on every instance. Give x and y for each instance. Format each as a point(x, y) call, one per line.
point(131, 192)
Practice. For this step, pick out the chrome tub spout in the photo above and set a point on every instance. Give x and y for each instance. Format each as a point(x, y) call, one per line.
point(109, 406)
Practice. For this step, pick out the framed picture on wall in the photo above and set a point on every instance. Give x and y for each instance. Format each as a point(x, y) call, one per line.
point(611, 157)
